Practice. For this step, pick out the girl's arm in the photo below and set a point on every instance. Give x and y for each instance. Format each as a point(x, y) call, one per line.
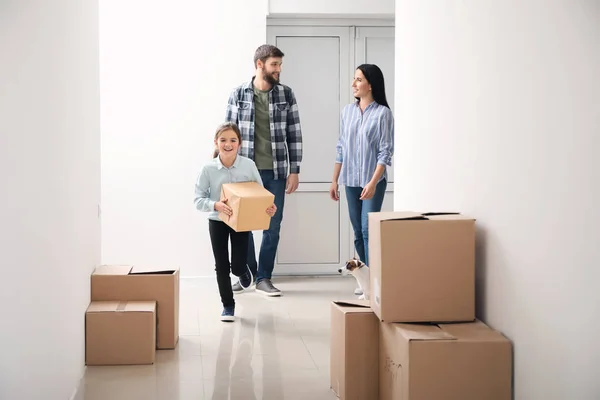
point(202, 193)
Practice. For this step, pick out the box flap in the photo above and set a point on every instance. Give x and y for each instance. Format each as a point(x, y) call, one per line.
point(138, 270)
point(353, 303)
point(121, 306)
point(410, 215)
point(390, 215)
point(424, 332)
point(448, 217)
point(354, 306)
point(473, 331)
point(112, 270)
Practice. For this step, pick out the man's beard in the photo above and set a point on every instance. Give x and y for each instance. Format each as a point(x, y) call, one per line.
point(269, 78)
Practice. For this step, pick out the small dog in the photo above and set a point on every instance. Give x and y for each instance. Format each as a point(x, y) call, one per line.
point(360, 271)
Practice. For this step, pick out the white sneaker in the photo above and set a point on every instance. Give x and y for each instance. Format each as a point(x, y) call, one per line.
point(358, 291)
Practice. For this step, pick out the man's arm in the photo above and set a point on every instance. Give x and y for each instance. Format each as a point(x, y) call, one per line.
point(294, 136)
point(231, 114)
point(294, 144)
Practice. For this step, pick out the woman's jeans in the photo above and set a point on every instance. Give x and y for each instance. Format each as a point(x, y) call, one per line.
point(359, 210)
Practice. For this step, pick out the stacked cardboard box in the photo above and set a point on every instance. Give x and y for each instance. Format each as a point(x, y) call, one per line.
point(422, 298)
point(133, 312)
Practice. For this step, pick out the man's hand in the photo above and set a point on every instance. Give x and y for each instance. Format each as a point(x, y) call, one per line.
point(292, 183)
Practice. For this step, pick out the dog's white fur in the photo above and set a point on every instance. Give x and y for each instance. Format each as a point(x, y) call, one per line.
point(360, 271)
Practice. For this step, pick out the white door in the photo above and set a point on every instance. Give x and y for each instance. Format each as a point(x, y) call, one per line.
point(319, 62)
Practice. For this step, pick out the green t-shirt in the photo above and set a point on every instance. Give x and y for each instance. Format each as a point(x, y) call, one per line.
point(263, 155)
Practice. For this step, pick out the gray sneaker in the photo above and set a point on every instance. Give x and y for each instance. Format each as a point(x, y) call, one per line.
point(266, 287)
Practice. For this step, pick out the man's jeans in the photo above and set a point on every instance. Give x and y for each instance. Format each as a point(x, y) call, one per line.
point(270, 239)
point(359, 218)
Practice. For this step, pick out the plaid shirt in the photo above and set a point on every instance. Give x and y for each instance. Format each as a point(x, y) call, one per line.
point(286, 135)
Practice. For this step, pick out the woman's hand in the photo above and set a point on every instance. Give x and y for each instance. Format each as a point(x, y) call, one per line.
point(368, 191)
point(272, 210)
point(334, 192)
point(221, 206)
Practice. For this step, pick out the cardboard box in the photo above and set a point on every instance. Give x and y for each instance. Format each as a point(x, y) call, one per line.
point(422, 267)
point(249, 202)
point(131, 283)
point(354, 350)
point(467, 361)
point(120, 333)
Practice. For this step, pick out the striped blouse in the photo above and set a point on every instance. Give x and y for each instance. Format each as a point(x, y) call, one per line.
point(366, 140)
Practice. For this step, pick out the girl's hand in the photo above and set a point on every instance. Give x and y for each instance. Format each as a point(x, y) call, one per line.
point(368, 191)
point(272, 210)
point(221, 206)
point(334, 192)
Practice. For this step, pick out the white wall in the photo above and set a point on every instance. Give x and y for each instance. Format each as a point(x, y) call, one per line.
point(50, 179)
point(359, 7)
point(167, 69)
point(499, 116)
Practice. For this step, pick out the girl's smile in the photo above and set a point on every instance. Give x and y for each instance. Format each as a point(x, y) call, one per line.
point(228, 144)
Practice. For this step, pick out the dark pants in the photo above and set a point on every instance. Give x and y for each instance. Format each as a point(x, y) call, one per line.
point(359, 210)
point(270, 239)
point(220, 233)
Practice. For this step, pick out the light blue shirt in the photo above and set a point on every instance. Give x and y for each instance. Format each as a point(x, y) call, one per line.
point(366, 140)
point(214, 174)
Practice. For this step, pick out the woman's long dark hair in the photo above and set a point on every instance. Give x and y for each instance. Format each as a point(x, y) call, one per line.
point(375, 78)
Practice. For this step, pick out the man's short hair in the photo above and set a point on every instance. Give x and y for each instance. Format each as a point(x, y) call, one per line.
point(265, 51)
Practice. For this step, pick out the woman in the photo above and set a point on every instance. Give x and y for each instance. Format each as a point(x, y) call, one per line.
point(365, 147)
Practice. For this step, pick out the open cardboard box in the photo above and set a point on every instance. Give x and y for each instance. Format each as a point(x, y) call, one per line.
point(135, 283)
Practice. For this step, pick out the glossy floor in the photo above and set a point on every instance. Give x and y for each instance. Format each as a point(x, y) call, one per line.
point(278, 348)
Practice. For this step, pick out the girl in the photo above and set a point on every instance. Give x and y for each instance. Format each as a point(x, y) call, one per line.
point(226, 167)
point(364, 148)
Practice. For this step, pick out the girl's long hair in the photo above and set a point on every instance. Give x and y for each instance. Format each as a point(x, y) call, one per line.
point(374, 76)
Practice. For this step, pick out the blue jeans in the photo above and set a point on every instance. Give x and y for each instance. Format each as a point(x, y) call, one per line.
point(359, 218)
point(270, 239)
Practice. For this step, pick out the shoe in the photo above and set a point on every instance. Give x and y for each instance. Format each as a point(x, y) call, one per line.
point(246, 280)
point(266, 287)
point(237, 288)
point(358, 291)
point(228, 314)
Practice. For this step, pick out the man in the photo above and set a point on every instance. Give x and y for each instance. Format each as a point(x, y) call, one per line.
point(267, 115)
